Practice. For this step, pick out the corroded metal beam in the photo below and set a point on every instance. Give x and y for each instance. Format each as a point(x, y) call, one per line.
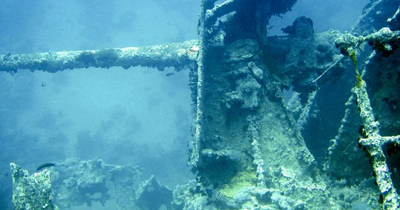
point(177, 55)
point(373, 143)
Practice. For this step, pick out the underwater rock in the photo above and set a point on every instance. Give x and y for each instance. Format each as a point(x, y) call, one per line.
point(154, 196)
point(126, 180)
point(75, 183)
point(78, 182)
point(31, 192)
point(302, 27)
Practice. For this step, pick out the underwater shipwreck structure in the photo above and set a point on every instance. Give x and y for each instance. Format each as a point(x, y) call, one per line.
point(263, 103)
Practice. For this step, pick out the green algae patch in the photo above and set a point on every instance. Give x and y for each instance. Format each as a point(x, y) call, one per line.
point(243, 179)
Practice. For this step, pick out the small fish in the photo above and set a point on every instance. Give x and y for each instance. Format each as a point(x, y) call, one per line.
point(45, 165)
point(43, 84)
point(170, 74)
